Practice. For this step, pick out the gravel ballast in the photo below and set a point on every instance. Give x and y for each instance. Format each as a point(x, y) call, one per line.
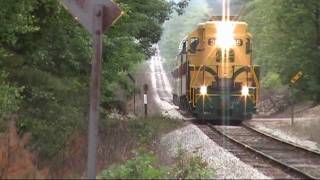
point(194, 141)
point(297, 134)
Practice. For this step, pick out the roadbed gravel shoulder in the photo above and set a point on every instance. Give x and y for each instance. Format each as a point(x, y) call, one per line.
point(191, 139)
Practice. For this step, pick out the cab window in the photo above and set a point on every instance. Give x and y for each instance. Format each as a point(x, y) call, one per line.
point(194, 43)
point(219, 55)
point(231, 55)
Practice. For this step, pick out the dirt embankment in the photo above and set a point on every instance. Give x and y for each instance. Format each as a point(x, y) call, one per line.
point(115, 145)
point(16, 162)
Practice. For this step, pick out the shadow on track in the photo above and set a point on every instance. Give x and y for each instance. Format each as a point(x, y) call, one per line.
point(219, 122)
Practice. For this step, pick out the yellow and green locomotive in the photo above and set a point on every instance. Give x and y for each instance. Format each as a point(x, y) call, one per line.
point(215, 77)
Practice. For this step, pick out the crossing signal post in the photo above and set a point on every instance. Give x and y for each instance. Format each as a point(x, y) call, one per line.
point(145, 100)
point(96, 16)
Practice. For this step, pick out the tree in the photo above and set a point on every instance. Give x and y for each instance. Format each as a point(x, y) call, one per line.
point(285, 40)
point(178, 27)
point(44, 50)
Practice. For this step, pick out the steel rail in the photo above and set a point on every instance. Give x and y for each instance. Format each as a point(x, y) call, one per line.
point(250, 127)
point(285, 165)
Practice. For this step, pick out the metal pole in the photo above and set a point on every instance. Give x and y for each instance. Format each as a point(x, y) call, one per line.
point(145, 99)
point(95, 93)
point(134, 99)
point(203, 108)
point(292, 106)
point(245, 108)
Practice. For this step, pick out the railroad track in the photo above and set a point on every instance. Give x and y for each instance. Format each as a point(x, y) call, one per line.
point(270, 156)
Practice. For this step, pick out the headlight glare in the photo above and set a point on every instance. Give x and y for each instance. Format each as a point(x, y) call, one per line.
point(203, 90)
point(245, 91)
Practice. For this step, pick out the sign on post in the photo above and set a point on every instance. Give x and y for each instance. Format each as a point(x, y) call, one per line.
point(296, 77)
point(83, 12)
point(96, 16)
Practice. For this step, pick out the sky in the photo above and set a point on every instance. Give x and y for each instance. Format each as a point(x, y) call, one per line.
point(216, 6)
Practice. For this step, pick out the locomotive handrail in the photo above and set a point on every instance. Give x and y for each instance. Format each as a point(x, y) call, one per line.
point(257, 84)
point(235, 95)
point(207, 69)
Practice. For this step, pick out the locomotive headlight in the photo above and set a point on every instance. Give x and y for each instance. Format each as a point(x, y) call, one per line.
point(225, 35)
point(203, 90)
point(245, 91)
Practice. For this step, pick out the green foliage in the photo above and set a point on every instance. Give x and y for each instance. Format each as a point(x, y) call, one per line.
point(10, 100)
point(286, 40)
point(143, 166)
point(16, 19)
point(178, 27)
point(271, 81)
point(10, 97)
point(191, 167)
point(44, 50)
point(148, 129)
point(147, 166)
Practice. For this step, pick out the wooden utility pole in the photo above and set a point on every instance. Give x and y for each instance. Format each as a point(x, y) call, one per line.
point(95, 87)
point(96, 16)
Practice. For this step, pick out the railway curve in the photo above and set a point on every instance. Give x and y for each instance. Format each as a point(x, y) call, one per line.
point(297, 160)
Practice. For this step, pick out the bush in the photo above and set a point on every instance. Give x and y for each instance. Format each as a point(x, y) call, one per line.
point(9, 96)
point(191, 167)
point(147, 166)
point(52, 109)
point(10, 99)
point(271, 81)
point(143, 166)
point(149, 129)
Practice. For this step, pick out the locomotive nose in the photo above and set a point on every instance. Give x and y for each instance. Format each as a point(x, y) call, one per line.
point(225, 84)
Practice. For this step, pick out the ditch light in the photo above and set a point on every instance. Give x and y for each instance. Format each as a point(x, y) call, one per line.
point(245, 91)
point(203, 90)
